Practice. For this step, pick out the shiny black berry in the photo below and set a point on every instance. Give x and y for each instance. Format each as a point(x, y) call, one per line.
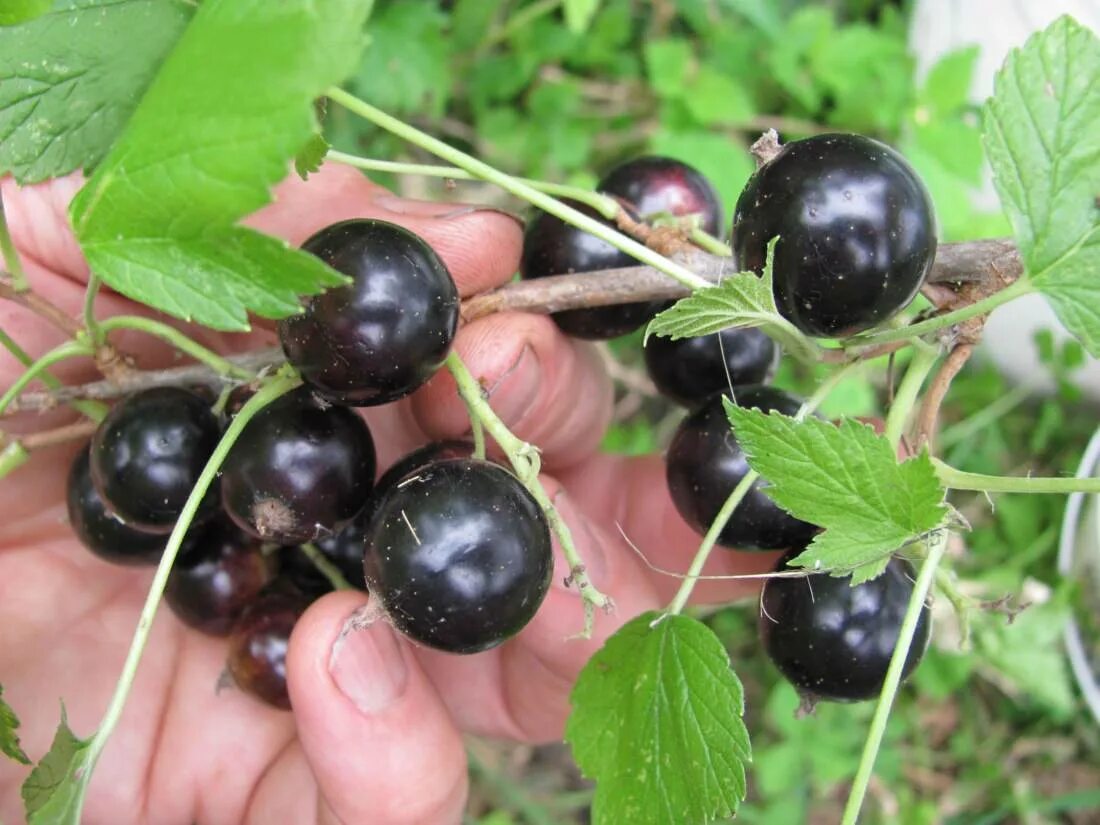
point(257, 648)
point(148, 453)
point(692, 369)
point(553, 247)
point(856, 231)
point(705, 463)
point(834, 641)
point(653, 185)
point(300, 471)
point(384, 334)
point(459, 554)
point(221, 574)
point(99, 530)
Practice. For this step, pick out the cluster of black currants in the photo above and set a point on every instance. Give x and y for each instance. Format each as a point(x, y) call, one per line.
point(455, 549)
point(856, 239)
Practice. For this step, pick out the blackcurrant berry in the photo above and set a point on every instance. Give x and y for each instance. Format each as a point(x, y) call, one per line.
point(691, 369)
point(258, 646)
point(653, 185)
point(834, 641)
point(553, 247)
point(221, 574)
point(384, 334)
point(705, 463)
point(459, 554)
point(301, 470)
point(856, 232)
point(148, 453)
point(99, 530)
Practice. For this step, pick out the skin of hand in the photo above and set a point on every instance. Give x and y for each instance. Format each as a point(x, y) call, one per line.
point(376, 732)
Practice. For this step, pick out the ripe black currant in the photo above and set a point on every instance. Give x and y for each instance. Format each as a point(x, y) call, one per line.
point(148, 453)
point(258, 645)
point(384, 334)
point(221, 574)
point(553, 247)
point(653, 184)
point(459, 554)
point(705, 463)
point(834, 641)
point(691, 369)
point(856, 232)
point(99, 530)
point(300, 471)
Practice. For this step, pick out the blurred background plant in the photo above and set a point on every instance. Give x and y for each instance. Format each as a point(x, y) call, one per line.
point(562, 90)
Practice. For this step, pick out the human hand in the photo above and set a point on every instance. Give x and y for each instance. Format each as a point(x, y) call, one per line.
point(376, 731)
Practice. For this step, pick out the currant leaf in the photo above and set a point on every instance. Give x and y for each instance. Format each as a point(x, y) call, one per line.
point(1041, 137)
point(657, 722)
point(846, 479)
point(9, 739)
point(64, 99)
point(53, 791)
point(203, 149)
point(14, 12)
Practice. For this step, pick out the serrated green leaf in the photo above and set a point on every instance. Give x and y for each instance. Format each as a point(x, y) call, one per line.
point(742, 299)
point(1044, 147)
point(657, 722)
point(844, 478)
point(9, 739)
point(202, 150)
point(52, 792)
point(14, 12)
point(64, 98)
point(311, 156)
point(579, 14)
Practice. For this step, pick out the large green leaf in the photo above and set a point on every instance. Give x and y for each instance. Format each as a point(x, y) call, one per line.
point(69, 80)
point(231, 106)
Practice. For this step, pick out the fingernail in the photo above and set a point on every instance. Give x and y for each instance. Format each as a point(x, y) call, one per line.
point(368, 666)
point(588, 546)
point(514, 393)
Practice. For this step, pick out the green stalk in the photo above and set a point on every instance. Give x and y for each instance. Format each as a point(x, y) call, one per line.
point(936, 547)
point(960, 480)
point(525, 461)
point(608, 207)
point(1010, 292)
point(70, 349)
point(680, 600)
point(91, 409)
point(325, 567)
point(178, 340)
point(924, 358)
point(709, 243)
point(518, 188)
point(10, 255)
point(278, 386)
point(12, 457)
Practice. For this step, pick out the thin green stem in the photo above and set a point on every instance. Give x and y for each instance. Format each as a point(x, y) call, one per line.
point(178, 340)
point(937, 544)
point(709, 243)
point(90, 322)
point(606, 206)
point(924, 358)
point(12, 457)
point(1014, 290)
point(325, 567)
point(276, 387)
point(960, 480)
point(687, 585)
point(523, 17)
point(518, 188)
point(92, 409)
point(525, 461)
point(70, 349)
point(10, 255)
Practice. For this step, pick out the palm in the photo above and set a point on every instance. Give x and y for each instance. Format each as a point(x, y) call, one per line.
point(185, 751)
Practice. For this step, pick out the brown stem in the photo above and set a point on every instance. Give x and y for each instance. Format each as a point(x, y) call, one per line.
point(937, 390)
point(60, 435)
point(39, 306)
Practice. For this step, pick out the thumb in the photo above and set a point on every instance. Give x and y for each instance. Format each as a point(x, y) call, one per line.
point(379, 742)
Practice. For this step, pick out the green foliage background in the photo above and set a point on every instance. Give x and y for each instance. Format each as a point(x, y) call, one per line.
point(991, 733)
